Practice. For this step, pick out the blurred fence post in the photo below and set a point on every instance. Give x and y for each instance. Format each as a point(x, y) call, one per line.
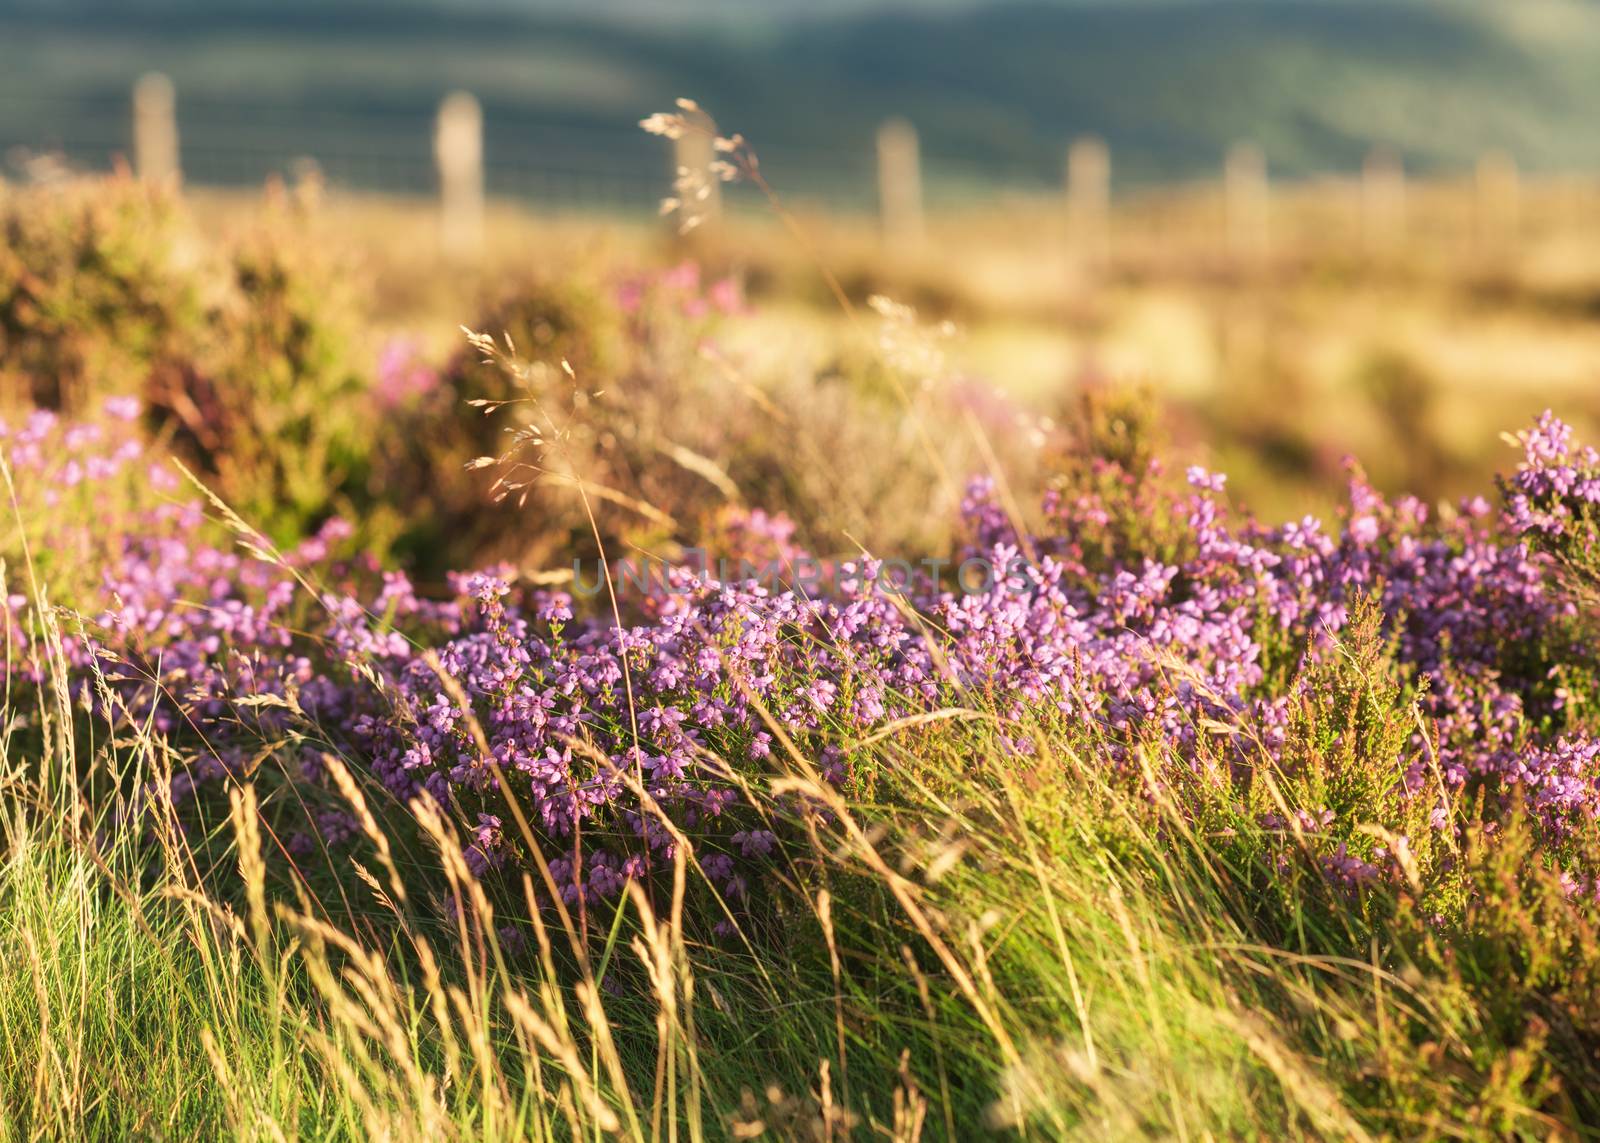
point(1499, 198)
point(696, 185)
point(1089, 200)
point(306, 182)
point(155, 129)
point(458, 153)
point(1383, 198)
point(900, 184)
point(1247, 201)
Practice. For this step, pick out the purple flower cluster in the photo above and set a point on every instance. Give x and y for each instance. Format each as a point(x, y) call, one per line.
point(1555, 493)
point(57, 457)
point(403, 375)
point(616, 742)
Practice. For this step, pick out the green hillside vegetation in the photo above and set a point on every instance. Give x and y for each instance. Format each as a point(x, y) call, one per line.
point(997, 90)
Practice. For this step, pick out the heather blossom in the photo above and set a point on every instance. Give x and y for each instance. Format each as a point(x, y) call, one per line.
point(1555, 492)
point(617, 743)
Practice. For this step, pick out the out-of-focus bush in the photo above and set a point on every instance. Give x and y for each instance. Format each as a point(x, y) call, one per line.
point(545, 320)
point(441, 416)
point(274, 400)
point(657, 429)
point(1110, 488)
point(254, 355)
point(98, 285)
point(248, 352)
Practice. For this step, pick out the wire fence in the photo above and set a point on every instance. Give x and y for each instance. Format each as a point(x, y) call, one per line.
point(543, 160)
point(561, 159)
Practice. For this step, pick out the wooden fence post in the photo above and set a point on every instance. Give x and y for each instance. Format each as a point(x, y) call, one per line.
point(155, 130)
point(1383, 198)
point(1248, 201)
point(900, 184)
point(1089, 200)
point(695, 184)
point(458, 153)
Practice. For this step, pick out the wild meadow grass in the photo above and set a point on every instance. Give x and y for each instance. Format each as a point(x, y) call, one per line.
point(1003, 921)
point(1181, 823)
point(1047, 966)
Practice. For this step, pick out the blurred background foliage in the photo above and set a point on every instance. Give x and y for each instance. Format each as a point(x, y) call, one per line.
point(309, 366)
point(301, 346)
point(997, 88)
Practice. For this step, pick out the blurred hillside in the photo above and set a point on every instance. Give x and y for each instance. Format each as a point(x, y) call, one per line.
point(997, 89)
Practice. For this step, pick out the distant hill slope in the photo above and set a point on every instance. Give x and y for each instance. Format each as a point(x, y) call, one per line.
point(997, 90)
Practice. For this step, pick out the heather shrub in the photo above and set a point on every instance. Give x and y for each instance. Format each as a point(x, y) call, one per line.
point(244, 351)
point(1389, 693)
point(56, 472)
point(1109, 490)
point(1357, 746)
point(544, 320)
point(1169, 821)
point(1554, 501)
point(273, 405)
point(654, 433)
point(477, 405)
point(99, 285)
